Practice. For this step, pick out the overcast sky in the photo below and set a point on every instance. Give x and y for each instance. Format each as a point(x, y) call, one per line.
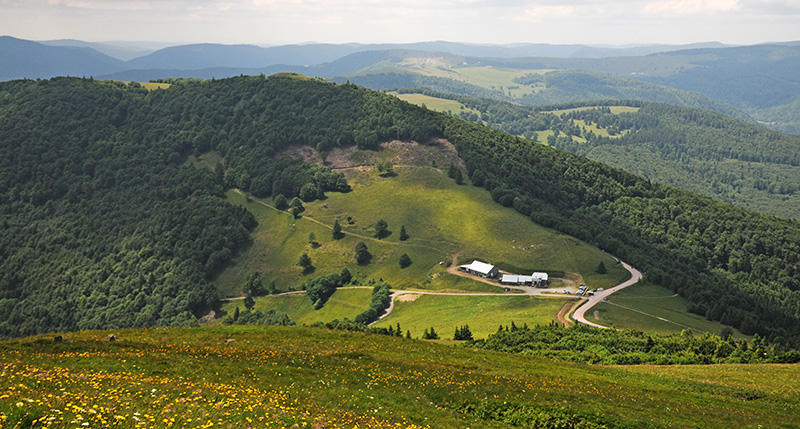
point(267, 22)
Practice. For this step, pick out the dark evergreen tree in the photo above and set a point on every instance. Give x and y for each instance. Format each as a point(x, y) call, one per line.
point(249, 302)
point(381, 229)
point(403, 234)
point(430, 334)
point(362, 253)
point(463, 333)
point(459, 177)
point(337, 230)
point(345, 276)
point(253, 285)
point(305, 263)
point(405, 260)
point(601, 268)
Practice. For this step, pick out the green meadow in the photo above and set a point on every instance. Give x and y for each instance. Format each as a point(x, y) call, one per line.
point(483, 314)
point(648, 307)
point(435, 103)
point(495, 78)
point(283, 377)
point(345, 303)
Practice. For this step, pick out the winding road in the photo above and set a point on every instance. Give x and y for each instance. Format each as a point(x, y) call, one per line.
point(580, 313)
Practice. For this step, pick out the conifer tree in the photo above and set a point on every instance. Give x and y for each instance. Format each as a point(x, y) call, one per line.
point(403, 233)
point(249, 302)
point(337, 230)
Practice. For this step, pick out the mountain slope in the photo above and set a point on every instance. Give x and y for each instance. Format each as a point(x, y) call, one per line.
point(732, 265)
point(25, 59)
point(697, 150)
point(104, 227)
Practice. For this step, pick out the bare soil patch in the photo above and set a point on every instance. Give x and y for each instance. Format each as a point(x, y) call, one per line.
point(408, 297)
point(562, 314)
point(398, 152)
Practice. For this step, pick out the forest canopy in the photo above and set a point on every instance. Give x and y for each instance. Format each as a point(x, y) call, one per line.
point(103, 225)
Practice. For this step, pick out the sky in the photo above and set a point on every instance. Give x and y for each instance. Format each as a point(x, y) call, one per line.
point(275, 22)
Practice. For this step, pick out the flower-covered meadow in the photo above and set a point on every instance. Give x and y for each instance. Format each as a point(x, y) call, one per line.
point(316, 378)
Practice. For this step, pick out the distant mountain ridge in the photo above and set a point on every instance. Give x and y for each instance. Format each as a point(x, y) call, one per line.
point(759, 81)
point(26, 59)
point(56, 58)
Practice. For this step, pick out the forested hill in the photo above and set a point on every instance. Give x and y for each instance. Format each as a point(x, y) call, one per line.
point(102, 226)
point(694, 149)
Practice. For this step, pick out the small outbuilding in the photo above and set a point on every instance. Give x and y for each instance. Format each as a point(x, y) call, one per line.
point(479, 268)
point(540, 279)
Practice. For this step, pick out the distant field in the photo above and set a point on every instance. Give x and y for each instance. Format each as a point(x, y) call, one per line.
point(614, 109)
point(499, 78)
point(483, 314)
point(152, 85)
point(657, 302)
point(435, 103)
point(496, 78)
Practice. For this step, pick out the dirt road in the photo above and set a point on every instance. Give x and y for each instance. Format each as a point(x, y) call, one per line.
point(580, 313)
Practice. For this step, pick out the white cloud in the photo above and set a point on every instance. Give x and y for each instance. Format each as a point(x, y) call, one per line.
point(690, 7)
point(542, 12)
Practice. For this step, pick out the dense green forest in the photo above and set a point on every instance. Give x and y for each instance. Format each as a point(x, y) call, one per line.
point(630, 347)
point(101, 223)
point(697, 150)
point(104, 225)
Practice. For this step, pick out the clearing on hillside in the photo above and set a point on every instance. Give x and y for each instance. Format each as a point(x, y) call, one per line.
point(441, 218)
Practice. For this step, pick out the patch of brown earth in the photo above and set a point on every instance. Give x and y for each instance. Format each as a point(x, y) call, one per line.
point(398, 152)
point(408, 297)
point(565, 310)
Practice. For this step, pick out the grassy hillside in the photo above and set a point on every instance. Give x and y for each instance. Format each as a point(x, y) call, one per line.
point(345, 303)
point(652, 308)
point(280, 376)
point(441, 218)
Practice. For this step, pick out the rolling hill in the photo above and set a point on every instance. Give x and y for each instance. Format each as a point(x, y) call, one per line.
point(99, 194)
point(698, 150)
point(748, 82)
point(752, 81)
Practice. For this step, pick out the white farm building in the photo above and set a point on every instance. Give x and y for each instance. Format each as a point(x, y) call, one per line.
point(535, 279)
point(479, 268)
